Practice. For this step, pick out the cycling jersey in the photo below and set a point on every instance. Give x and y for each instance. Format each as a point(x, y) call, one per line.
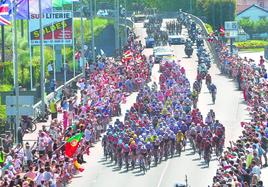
point(180, 137)
point(213, 88)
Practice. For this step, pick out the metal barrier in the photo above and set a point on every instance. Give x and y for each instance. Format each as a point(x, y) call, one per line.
point(55, 95)
point(266, 53)
point(128, 22)
point(199, 22)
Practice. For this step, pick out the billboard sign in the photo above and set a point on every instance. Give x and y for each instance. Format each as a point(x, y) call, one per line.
point(231, 34)
point(53, 24)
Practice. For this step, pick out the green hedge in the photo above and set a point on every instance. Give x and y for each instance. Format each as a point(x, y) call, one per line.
point(2, 112)
point(251, 44)
point(4, 88)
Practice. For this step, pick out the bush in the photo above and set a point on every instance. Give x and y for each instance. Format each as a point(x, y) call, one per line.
point(3, 112)
point(209, 28)
point(4, 88)
point(251, 44)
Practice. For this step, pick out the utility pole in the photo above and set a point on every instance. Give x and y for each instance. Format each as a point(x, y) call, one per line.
point(3, 42)
point(116, 27)
point(191, 6)
point(95, 8)
point(42, 83)
point(92, 32)
point(82, 41)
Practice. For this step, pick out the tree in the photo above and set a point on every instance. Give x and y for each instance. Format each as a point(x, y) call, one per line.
point(254, 27)
point(217, 12)
point(248, 26)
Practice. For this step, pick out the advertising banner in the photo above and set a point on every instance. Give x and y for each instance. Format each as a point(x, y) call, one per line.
point(53, 23)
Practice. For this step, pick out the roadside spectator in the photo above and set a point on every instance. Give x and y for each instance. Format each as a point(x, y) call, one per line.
point(53, 109)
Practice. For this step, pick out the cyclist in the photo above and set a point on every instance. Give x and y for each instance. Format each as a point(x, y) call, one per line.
point(213, 91)
point(179, 141)
point(208, 80)
point(126, 151)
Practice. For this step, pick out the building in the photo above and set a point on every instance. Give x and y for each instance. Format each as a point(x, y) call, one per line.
point(244, 4)
point(254, 13)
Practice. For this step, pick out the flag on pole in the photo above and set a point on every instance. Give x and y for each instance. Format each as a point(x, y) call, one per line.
point(5, 7)
point(127, 56)
point(72, 144)
point(22, 9)
point(46, 6)
point(60, 3)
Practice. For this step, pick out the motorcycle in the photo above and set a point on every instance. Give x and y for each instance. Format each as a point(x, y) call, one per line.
point(188, 51)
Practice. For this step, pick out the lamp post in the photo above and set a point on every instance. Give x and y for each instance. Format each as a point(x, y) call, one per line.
point(82, 41)
point(15, 64)
point(191, 6)
point(116, 7)
point(42, 69)
point(92, 31)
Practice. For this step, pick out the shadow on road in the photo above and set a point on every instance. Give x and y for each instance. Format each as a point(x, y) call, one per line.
point(196, 159)
point(140, 174)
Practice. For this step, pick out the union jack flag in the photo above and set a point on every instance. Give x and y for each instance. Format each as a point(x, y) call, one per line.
point(4, 12)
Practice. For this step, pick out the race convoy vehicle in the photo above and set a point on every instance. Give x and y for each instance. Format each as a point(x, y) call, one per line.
point(161, 52)
point(176, 40)
point(149, 42)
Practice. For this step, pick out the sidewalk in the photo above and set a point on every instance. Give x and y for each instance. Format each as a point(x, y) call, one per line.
point(254, 56)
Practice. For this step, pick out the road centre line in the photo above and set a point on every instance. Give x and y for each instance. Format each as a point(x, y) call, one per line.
point(163, 174)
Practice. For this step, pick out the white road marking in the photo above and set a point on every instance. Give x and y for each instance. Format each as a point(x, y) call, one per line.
point(163, 174)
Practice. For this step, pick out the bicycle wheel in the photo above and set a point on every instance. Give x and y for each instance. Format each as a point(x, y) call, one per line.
point(34, 126)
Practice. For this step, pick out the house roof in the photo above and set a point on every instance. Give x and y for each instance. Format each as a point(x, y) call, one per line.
point(254, 5)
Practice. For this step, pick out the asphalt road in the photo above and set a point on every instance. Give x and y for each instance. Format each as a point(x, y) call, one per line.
point(230, 110)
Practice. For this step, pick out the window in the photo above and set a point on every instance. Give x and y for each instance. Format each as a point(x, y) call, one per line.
point(261, 4)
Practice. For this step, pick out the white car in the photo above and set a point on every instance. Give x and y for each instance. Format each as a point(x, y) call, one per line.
point(102, 13)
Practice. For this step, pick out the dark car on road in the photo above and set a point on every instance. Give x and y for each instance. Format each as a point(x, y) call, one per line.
point(176, 40)
point(149, 42)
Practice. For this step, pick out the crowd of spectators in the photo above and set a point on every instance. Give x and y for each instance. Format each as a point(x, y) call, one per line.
point(108, 82)
point(241, 163)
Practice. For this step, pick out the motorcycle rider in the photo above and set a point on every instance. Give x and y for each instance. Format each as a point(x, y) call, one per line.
point(188, 48)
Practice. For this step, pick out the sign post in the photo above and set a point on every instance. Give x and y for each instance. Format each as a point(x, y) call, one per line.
point(19, 106)
point(231, 32)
